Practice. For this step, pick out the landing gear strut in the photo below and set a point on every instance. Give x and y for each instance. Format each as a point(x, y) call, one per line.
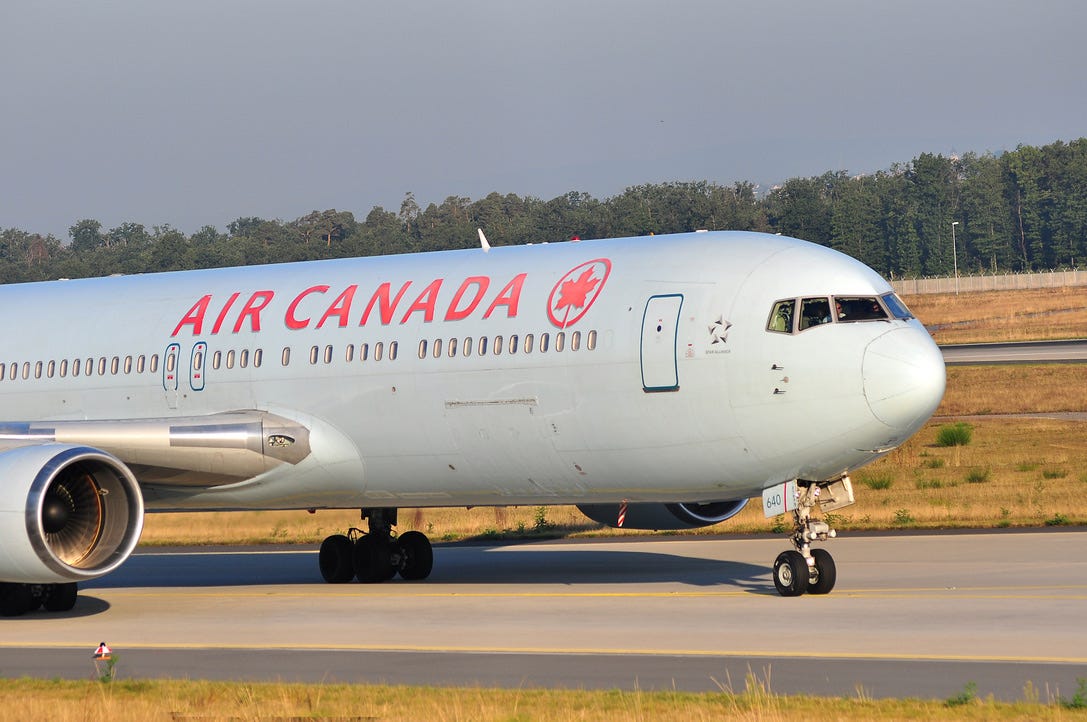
point(377, 555)
point(805, 569)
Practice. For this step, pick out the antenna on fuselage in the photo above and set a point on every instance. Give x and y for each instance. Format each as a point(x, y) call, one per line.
point(483, 241)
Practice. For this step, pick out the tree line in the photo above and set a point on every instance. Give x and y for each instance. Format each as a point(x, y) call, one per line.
point(1022, 210)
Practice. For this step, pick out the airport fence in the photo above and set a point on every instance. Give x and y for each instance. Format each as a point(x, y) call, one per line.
point(997, 282)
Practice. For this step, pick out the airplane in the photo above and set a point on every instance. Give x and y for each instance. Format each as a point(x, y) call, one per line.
point(655, 382)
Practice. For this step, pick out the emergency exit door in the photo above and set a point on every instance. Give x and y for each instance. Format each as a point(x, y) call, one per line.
point(660, 330)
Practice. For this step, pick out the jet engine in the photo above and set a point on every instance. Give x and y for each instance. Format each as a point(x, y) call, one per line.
point(67, 513)
point(664, 516)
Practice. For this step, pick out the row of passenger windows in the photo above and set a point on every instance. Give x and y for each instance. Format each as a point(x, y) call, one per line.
point(86, 367)
point(792, 315)
point(244, 358)
point(514, 344)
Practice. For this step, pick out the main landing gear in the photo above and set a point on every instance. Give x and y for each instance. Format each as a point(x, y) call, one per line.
point(17, 599)
point(377, 556)
point(805, 569)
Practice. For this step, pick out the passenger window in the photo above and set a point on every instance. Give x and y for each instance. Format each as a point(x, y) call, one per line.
point(468, 346)
point(452, 347)
point(258, 357)
point(781, 318)
point(378, 348)
point(285, 357)
point(349, 353)
point(560, 340)
point(75, 367)
point(230, 358)
point(51, 369)
point(102, 366)
point(141, 363)
point(422, 348)
point(38, 370)
point(513, 343)
point(364, 351)
point(814, 312)
point(243, 358)
point(482, 346)
point(437, 348)
point(154, 364)
point(575, 340)
point(114, 366)
point(590, 341)
point(128, 364)
point(497, 345)
point(328, 354)
point(393, 346)
point(544, 340)
point(528, 343)
point(63, 368)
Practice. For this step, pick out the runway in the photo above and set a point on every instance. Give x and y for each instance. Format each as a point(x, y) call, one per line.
point(913, 615)
point(1026, 352)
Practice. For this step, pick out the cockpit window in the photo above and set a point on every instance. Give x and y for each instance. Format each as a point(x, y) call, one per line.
point(781, 318)
point(814, 311)
point(896, 306)
point(863, 308)
point(792, 315)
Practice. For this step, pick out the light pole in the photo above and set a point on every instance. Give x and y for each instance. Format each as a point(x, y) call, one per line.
point(955, 255)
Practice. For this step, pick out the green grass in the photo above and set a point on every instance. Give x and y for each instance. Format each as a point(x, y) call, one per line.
point(958, 434)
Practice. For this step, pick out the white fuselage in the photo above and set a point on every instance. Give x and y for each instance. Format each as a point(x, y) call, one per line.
point(676, 391)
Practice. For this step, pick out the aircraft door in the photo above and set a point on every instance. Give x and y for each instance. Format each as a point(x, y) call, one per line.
point(660, 330)
point(196, 366)
point(170, 361)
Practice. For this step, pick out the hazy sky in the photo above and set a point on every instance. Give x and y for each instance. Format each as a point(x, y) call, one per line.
point(198, 112)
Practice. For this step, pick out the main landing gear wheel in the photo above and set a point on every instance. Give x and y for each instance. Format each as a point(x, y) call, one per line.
point(791, 574)
point(376, 556)
point(336, 559)
point(416, 556)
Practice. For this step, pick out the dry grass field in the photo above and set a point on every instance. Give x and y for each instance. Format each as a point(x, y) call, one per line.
point(1016, 472)
point(172, 700)
point(1001, 316)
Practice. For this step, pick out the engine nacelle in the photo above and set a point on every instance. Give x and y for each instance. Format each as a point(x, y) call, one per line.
point(67, 513)
point(664, 516)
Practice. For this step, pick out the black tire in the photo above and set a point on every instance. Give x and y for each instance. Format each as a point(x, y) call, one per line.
point(336, 559)
point(791, 574)
point(373, 560)
point(60, 597)
point(17, 599)
point(824, 573)
point(417, 556)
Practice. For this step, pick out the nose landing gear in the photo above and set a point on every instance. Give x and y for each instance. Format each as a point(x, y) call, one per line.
point(807, 570)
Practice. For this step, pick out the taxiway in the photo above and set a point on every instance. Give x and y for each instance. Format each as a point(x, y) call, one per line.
point(912, 615)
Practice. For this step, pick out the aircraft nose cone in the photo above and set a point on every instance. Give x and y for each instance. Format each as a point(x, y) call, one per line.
point(904, 378)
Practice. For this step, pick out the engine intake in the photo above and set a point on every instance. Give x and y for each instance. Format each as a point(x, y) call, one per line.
point(664, 516)
point(67, 513)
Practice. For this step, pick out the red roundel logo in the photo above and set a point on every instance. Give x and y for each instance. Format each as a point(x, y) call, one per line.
point(576, 292)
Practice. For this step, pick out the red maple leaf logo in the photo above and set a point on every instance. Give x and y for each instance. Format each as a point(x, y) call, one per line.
point(572, 293)
point(576, 292)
